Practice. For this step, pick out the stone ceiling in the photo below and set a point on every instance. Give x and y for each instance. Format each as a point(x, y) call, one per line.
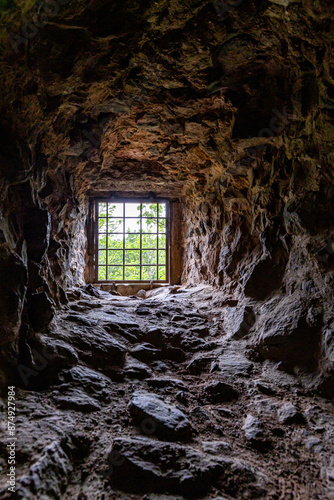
point(151, 96)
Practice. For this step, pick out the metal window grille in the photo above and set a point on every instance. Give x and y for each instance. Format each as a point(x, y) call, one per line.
point(132, 241)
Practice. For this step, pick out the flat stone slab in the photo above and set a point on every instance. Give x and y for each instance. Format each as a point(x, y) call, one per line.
point(156, 417)
point(76, 399)
point(145, 352)
point(94, 383)
point(234, 364)
point(81, 320)
point(143, 465)
point(217, 447)
point(93, 345)
point(135, 369)
point(123, 320)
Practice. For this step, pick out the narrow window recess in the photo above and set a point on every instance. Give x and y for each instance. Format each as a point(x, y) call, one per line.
point(132, 241)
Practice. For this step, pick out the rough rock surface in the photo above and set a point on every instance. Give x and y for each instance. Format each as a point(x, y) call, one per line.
point(292, 334)
point(48, 476)
point(254, 432)
point(226, 108)
point(164, 420)
point(12, 293)
point(259, 433)
point(234, 364)
point(239, 321)
point(220, 392)
point(75, 399)
point(183, 470)
point(288, 414)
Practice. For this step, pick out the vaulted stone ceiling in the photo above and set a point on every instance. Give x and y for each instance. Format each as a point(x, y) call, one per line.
point(165, 95)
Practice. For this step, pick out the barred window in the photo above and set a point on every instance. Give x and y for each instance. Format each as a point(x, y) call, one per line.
point(132, 240)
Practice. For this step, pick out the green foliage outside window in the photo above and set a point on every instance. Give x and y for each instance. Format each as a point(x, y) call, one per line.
point(126, 242)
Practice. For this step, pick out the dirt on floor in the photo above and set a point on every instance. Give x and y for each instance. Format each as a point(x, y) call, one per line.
point(155, 398)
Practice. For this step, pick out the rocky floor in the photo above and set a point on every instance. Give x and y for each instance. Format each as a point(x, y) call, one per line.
point(151, 398)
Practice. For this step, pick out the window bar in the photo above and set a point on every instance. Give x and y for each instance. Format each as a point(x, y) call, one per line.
point(96, 235)
point(141, 237)
point(98, 210)
point(169, 215)
point(108, 249)
point(123, 241)
point(107, 241)
point(158, 210)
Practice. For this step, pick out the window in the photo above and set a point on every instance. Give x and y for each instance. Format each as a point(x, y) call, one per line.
point(132, 240)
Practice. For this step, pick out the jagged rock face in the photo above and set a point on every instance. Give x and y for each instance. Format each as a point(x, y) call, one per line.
point(228, 108)
point(91, 422)
point(12, 294)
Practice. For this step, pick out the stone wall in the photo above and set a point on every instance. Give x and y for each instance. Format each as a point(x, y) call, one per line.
point(228, 110)
point(42, 247)
point(267, 240)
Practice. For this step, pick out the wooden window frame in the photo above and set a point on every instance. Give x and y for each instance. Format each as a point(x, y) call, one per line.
point(94, 232)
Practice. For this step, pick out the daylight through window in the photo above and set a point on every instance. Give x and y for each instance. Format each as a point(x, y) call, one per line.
point(132, 241)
